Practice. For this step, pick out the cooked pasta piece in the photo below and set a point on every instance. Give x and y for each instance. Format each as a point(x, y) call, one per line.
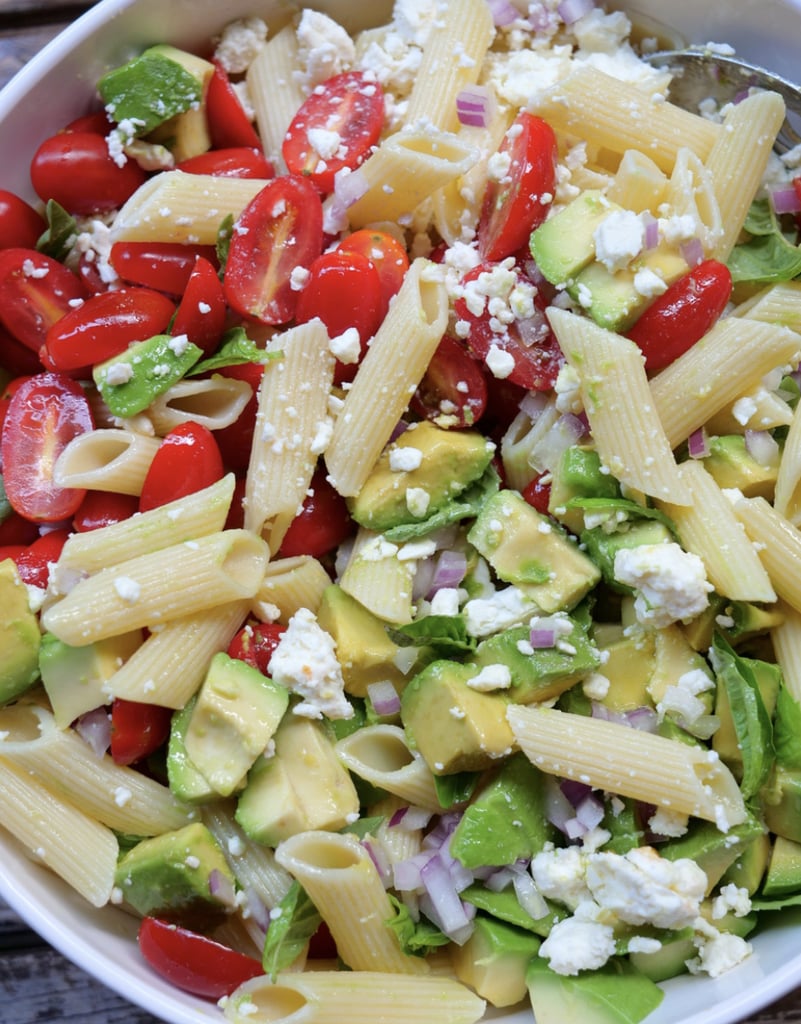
point(380, 754)
point(107, 460)
point(290, 584)
point(520, 443)
point(787, 496)
point(691, 194)
point(378, 579)
point(622, 415)
point(779, 544)
point(786, 640)
point(779, 303)
point(638, 183)
point(388, 376)
point(630, 762)
point(215, 402)
point(275, 91)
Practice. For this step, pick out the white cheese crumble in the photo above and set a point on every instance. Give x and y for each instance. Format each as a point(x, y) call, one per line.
point(128, 589)
point(305, 662)
point(491, 677)
point(405, 459)
point(618, 239)
point(670, 583)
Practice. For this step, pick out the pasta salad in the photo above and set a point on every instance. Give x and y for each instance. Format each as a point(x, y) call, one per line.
point(400, 515)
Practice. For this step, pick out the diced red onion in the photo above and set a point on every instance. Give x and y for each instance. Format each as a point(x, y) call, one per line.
point(384, 698)
point(500, 879)
point(257, 909)
point(533, 330)
point(221, 889)
point(473, 106)
point(575, 791)
point(539, 18)
point(541, 638)
point(693, 252)
point(442, 832)
point(449, 570)
point(590, 812)
point(413, 818)
point(400, 428)
point(651, 230)
point(380, 860)
point(503, 12)
point(571, 10)
point(533, 404)
point(450, 913)
point(94, 728)
point(406, 873)
point(565, 432)
point(698, 444)
point(528, 896)
point(574, 829)
point(558, 809)
point(785, 200)
point(762, 447)
point(423, 578)
point(645, 719)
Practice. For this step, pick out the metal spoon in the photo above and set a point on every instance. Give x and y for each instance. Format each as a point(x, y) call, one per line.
point(701, 73)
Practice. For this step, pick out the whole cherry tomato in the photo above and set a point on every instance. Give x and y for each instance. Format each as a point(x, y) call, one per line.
point(233, 162)
point(235, 441)
point(255, 643)
point(45, 414)
point(280, 230)
point(15, 529)
point(453, 389)
point(187, 460)
point(682, 315)
point(16, 358)
point(20, 224)
point(35, 292)
point(77, 170)
point(165, 266)
point(105, 325)
point(335, 127)
point(137, 730)
point(516, 204)
point(385, 253)
point(201, 313)
point(33, 565)
point(321, 525)
point(102, 508)
point(229, 125)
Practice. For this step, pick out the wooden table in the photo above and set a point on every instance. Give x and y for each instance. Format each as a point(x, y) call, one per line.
point(37, 985)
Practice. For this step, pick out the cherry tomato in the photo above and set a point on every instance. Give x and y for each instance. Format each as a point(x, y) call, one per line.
point(344, 291)
point(322, 945)
point(9, 391)
point(98, 123)
point(201, 314)
point(102, 508)
point(165, 266)
point(229, 125)
point(279, 230)
point(538, 492)
point(187, 460)
point(16, 358)
point(46, 413)
point(516, 204)
point(235, 520)
point(321, 525)
point(12, 551)
point(453, 387)
point(20, 224)
point(255, 644)
point(105, 325)
point(385, 253)
point(234, 162)
point(536, 354)
point(682, 315)
point(137, 730)
point(77, 170)
point(335, 127)
point(235, 441)
point(193, 962)
point(33, 565)
point(35, 292)
point(15, 529)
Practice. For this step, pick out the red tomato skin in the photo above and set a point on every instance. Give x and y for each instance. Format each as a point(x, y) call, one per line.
point(453, 387)
point(20, 224)
point(16, 530)
point(45, 414)
point(98, 123)
point(513, 208)
point(322, 524)
point(343, 290)
point(682, 315)
point(35, 292)
point(16, 358)
point(105, 325)
point(77, 170)
point(33, 565)
point(255, 644)
point(164, 266)
point(12, 551)
point(279, 230)
point(201, 313)
point(236, 440)
point(347, 104)
point(187, 460)
point(193, 962)
point(229, 125)
point(386, 254)
point(538, 493)
point(103, 508)
point(137, 730)
point(233, 162)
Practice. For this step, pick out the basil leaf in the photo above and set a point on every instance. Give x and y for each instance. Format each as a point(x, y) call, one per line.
point(466, 506)
point(59, 236)
point(787, 731)
point(416, 938)
point(767, 256)
point(235, 349)
point(292, 924)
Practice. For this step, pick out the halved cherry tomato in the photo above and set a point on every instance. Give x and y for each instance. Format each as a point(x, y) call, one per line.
point(334, 128)
point(235, 441)
point(233, 162)
point(344, 291)
point(20, 224)
point(102, 508)
point(229, 125)
point(193, 962)
point(255, 643)
point(15, 529)
point(12, 551)
point(105, 325)
point(187, 460)
point(538, 492)
point(33, 565)
point(137, 730)
point(16, 358)
point(279, 230)
point(165, 266)
point(536, 360)
point(77, 170)
point(321, 525)
point(10, 390)
point(453, 389)
point(519, 202)
point(386, 254)
point(201, 313)
point(45, 414)
point(682, 315)
point(35, 292)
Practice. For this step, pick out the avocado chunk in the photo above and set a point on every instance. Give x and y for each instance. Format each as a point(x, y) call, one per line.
point(674, 655)
point(783, 874)
point(418, 473)
point(732, 466)
point(364, 649)
point(506, 821)
point(628, 663)
point(302, 786)
point(131, 381)
point(592, 997)
point(181, 876)
point(454, 728)
point(748, 870)
point(565, 243)
point(712, 850)
point(781, 803)
point(75, 677)
point(667, 962)
point(494, 961)
point(540, 673)
point(603, 546)
point(185, 779)
point(236, 714)
point(19, 636)
point(578, 474)
point(531, 551)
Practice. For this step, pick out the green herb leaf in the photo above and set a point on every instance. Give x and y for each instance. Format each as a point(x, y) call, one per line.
point(446, 633)
point(416, 938)
point(292, 924)
point(225, 233)
point(236, 348)
point(465, 506)
point(59, 236)
point(768, 255)
point(787, 730)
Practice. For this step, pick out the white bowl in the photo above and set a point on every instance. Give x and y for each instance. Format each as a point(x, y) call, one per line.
point(58, 85)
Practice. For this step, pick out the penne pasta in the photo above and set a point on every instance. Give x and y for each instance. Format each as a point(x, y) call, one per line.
point(274, 87)
point(290, 584)
point(214, 403)
point(380, 754)
point(779, 544)
point(107, 460)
